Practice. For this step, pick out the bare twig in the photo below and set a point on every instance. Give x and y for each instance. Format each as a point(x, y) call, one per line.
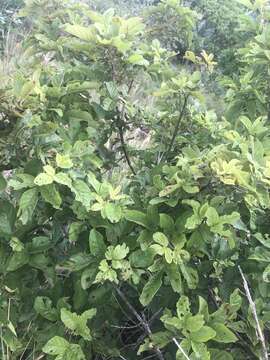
point(26, 346)
point(180, 348)
point(123, 311)
point(125, 327)
point(151, 320)
point(254, 313)
point(144, 323)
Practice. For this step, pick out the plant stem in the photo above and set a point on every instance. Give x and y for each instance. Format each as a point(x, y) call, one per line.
point(254, 313)
point(177, 126)
point(144, 323)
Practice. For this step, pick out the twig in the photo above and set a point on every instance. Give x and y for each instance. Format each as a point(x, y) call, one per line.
point(123, 311)
point(180, 348)
point(254, 312)
point(26, 346)
point(151, 320)
point(125, 327)
point(123, 145)
point(176, 129)
point(144, 323)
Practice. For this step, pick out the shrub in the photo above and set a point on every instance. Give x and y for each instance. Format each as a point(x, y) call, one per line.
point(116, 251)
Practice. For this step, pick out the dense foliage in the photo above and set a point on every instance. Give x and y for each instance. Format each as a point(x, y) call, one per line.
point(134, 217)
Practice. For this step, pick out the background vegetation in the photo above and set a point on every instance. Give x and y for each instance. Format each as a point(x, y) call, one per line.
point(134, 184)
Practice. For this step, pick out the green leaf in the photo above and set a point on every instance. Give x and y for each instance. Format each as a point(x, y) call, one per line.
point(11, 340)
point(39, 244)
point(161, 338)
point(112, 89)
point(235, 300)
point(113, 212)
point(201, 351)
point(260, 254)
point(141, 259)
point(166, 222)
point(88, 277)
point(74, 231)
point(43, 307)
point(27, 205)
point(94, 182)
point(161, 239)
point(43, 179)
point(190, 275)
point(175, 278)
point(205, 334)
point(77, 262)
point(212, 216)
point(82, 148)
point(21, 181)
point(203, 308)
point(49, 170)
point(151, 288)
point(7, 217)
point(263, 239)
point(137, 217)
point(266, 274)
point(17, 260)
point(223, 334)
point(220, 355)
point(63, 179)
point(16, 244)
point(78, 323)
point(137, 59)
point(74, 352)
point(168, 253)
point(51, 195)
point(185, 345)
point(81, 32)
point(3, 183)
point(119, 252)
point(194, 323)
point(96, 244)
point(183, 307)
point(63, 161)
point(56, 346)
point(82, 193)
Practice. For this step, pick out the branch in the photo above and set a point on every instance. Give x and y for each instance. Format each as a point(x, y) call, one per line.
point(254, 313)
point(121, 133)
point(144, 323)
point(150, 321)
point(176, 129)
point(123, 145)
